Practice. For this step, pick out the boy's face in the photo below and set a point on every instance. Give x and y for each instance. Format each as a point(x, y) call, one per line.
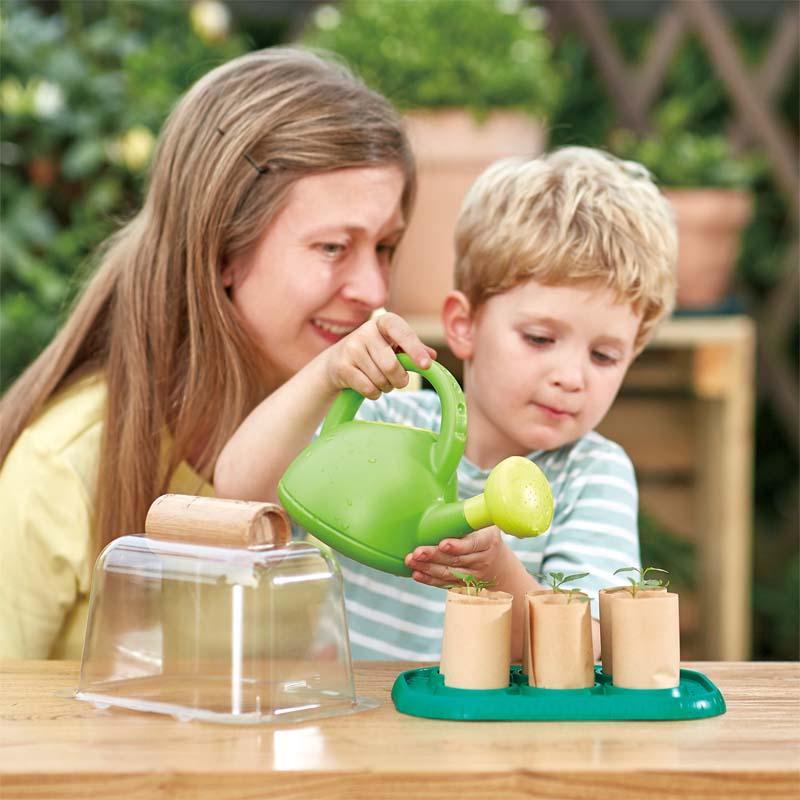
point(543, 365)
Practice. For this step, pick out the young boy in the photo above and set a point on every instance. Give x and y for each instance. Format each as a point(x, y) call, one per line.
point(564, 265)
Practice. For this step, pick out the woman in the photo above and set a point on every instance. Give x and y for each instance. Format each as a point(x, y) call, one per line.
point(279, 189)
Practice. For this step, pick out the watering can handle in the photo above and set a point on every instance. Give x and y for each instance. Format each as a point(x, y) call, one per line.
point(449, 446)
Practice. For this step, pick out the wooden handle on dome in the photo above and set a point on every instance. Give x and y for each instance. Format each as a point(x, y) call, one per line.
point(216, 521)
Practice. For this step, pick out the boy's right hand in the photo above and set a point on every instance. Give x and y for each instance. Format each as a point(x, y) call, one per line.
point(366, 359)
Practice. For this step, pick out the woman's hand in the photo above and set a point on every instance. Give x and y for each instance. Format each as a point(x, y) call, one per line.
point(481, 553)
point(366, 360)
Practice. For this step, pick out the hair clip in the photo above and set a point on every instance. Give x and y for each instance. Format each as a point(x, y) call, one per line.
point(268, 167)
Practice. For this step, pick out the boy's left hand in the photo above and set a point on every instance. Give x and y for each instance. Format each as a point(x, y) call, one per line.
point(481, 553)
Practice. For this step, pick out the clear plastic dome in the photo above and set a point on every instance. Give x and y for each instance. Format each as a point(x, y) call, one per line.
point(213, 615)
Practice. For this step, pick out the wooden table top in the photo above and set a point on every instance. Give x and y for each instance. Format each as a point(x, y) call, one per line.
point(56, 747)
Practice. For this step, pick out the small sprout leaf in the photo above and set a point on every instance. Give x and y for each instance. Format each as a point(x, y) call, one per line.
point(643, 582)
point(473, 585)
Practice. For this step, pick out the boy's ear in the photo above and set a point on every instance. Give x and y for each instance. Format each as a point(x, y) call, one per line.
point(458, 322)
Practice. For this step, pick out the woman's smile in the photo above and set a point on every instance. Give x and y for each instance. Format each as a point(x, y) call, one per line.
point(332, 331)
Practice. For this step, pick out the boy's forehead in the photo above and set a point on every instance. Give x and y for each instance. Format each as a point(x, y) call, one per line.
point(590, 305)
point(534, 295)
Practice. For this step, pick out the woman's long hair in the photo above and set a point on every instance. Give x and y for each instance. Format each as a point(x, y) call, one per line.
point(155, 318)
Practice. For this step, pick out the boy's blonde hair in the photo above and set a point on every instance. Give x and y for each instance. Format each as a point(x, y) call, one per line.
point(575, 215)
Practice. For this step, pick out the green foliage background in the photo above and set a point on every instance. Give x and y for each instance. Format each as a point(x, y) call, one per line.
point(444, 53)
point(74, 168)
point(85, 87)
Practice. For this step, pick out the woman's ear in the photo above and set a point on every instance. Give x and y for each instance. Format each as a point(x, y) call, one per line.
point(227, 274)
point(458, 322)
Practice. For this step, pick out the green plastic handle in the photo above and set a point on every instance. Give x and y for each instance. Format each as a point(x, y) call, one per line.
point(449, 445)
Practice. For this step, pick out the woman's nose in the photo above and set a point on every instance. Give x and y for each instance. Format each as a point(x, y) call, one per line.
point(366, 283)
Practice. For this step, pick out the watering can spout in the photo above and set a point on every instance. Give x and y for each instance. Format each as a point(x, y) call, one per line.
point(517, 499)
point(443, 521)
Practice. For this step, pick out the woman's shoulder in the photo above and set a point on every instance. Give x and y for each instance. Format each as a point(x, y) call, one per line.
point(71, 417)
point(48, 477)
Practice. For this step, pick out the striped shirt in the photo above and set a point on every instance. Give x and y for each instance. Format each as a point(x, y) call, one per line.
point(594, 530)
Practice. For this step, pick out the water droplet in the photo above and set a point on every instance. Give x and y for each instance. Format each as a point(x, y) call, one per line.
point(372, 460)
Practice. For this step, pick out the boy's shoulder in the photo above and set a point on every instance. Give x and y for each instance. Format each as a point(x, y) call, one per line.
point(422, 409)
point(595, 445)
point(589, 470)
point(593, 453)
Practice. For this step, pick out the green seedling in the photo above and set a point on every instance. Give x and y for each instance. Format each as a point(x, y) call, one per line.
point(558, 579)
point(576, 594)
point(473, 585)
point(644, 582)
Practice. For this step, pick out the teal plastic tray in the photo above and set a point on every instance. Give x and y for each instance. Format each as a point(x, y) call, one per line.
point(422, 693)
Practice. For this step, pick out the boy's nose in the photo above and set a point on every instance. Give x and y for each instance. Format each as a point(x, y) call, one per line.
point(366, 283)
point(568, 376)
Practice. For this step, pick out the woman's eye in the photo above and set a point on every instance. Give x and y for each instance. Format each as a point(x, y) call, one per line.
point(386, 251)
point(331, 249)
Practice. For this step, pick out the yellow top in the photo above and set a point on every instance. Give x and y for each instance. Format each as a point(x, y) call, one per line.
point(46, 505)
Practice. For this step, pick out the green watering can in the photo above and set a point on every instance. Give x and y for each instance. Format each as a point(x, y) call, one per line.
point(375, 491)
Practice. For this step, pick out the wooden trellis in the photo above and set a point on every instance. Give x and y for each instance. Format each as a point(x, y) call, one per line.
point(635, 88)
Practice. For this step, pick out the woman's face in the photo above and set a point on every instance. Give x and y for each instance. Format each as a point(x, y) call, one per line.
point(322, 266)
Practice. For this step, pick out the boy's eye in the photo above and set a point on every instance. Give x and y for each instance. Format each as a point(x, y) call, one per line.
point(537, 340)
point(604, 358)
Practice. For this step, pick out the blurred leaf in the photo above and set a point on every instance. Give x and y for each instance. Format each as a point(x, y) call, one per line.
point(477, 54)
point(80, 74)
point(82, 158)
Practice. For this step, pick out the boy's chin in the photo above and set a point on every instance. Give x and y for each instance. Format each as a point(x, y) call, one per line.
point(547, 440)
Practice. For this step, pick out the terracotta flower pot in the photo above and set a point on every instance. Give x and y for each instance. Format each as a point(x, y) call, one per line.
point(645, 630)
point(561, 636)
point(710, 223)
point(607, 597)
point(476, 645)
point(451, 149)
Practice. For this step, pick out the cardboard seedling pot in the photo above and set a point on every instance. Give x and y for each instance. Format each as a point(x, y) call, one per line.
point(606, 598)
point(527, 641)
point(645, 630)
point(561, 641)
point(476, 645)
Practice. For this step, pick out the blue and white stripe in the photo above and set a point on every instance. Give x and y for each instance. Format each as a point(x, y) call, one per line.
point(594, 530)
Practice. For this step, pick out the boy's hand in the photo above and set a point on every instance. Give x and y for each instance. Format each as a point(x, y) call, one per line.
point(366, 360)
point(481, 553)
